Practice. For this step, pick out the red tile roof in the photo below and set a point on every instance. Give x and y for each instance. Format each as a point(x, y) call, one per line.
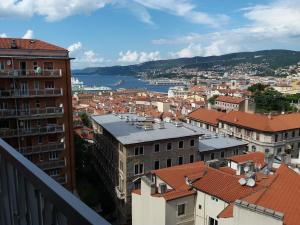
point(206, 115)
point(28, 44)
point(229, 99)
point(204, 178)
point(263, 122)
point(283, 195)
point(256, 157)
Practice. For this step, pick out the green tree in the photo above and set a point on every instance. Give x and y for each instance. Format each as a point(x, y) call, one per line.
point(212, 99)
point(257, 87)
point(86, 120)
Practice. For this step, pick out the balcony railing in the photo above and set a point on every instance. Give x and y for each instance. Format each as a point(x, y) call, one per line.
point(52, 164)
point(19, 93)
point(30, 196)
point(30, 73)
point(36, 112)
point(42, 148)
point(6, 133)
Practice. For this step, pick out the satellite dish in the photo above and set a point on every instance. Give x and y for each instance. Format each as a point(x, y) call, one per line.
point(8, 62)
point(242, 181)
point(251, 182)
point(246, 169)
point(38, 70)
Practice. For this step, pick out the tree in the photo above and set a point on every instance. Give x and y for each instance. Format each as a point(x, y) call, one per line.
point(212, 99)
point(86, 120)
point(257, 87)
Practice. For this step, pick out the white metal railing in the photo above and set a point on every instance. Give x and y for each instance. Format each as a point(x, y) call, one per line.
point(15, 93)
point(29, 196)
point(7, 132)
point(30, 73)
point(6, 113)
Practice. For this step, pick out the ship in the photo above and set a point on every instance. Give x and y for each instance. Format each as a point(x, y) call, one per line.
point(118, 83)
point(78, 86)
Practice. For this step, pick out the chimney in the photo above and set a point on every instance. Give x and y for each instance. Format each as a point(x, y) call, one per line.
point(269, 158)
point(13, 44)
point(270, 116)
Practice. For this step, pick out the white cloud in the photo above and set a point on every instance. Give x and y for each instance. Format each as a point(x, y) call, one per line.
point(275, 25)
point(52, 10)
point(185, 9)
point(138, 57)
point(85, 57)
point(28, 35)
point(3, 35)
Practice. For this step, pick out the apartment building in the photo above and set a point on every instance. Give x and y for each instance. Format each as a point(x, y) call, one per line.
point(35, 105)
point(129, 146)
point(205, 118)
point(196, 194)
point(229, 103)
point(270, 134)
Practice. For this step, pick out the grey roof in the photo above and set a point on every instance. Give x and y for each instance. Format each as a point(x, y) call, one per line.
point(126, 133)
point(218, 142)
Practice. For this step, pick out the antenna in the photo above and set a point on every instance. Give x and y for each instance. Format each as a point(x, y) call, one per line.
point(250, 182)
point(242, 181)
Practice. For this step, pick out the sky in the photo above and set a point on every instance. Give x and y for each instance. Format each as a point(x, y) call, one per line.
point(123, 32)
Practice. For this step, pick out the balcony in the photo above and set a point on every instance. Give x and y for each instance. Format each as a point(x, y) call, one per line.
point(30, 93)
point(7, 132)
point(52, 164)
point(30, 196)
point(36, 112)
point(30, 74)
point(50, 147)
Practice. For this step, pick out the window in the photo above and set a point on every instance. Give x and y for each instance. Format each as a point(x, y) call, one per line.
point(2, 65)
point(222, 154)
point(54, 173)
point(139, 150)
point(41, 157)
point(156, 148)
point(36, 85)
point(180, 144)
point(48, 66)
point(169, 146)
point(35, 65)
point(180, 160)
point(49, 84)
point(181, 210)
point(278, 151)
point(192, 142)
point(285, 135)
point(214, 199)
point(40, 139)
point(191, 158)
point(37, 103)
point(121, 165)
point(257, 136)
point(138, 169)
point(276, 137)
point(169, 162)
point(267, 150)
point(202, 157)
point(212, 221)
point(156, 165)
point(53, 155)
point(293, 134)
point(253, 148)
point(212, 155)
point(235, 151)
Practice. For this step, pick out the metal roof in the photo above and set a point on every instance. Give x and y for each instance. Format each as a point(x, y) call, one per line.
point(218, 142)
point(126, 133)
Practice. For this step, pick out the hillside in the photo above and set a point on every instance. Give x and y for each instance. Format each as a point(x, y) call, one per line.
point(265, 62)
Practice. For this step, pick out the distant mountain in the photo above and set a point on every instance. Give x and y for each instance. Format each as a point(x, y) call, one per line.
point(272, 59)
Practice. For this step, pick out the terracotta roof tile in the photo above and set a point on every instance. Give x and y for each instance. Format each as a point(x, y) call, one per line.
point(229, 99)
point(28, 44)
point(256, 157)
point(263, 122)
point(206, 115)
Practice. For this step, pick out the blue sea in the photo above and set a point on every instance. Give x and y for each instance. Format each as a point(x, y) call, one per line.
point(129, 82)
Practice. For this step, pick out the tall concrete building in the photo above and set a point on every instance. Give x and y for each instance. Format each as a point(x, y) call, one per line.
point(129, 146)
point(35, 105)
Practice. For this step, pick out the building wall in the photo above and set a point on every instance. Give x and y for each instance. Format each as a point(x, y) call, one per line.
point(148, 210)
point(207, 206)
point(172, 214)
point(66, 173)
point(242, 216)
point(228, 152)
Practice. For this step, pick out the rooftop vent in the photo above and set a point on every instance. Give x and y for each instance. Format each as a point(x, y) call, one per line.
point(148, 127)
point(13, 44)
point(178, 124)
point(161, 125)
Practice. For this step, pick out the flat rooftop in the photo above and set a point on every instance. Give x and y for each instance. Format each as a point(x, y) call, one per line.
point(125, 129)
point(218, 142)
